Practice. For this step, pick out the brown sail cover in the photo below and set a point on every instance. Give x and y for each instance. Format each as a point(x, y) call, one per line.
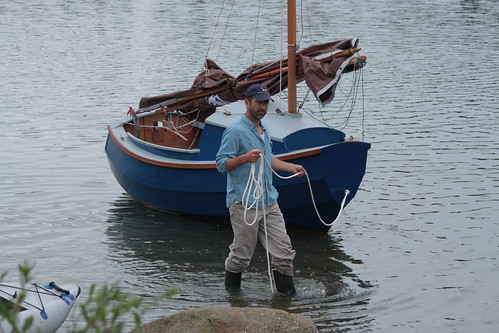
point(214, 87)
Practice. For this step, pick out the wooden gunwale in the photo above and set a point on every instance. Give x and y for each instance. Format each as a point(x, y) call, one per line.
point(200, 165)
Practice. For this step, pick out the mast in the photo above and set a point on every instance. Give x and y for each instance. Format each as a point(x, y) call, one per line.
point(292, 56)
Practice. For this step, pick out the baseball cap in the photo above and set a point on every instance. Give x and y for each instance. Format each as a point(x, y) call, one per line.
point(259, 92)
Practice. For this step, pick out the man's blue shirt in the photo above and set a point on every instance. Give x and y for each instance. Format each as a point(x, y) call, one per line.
point(239, 138)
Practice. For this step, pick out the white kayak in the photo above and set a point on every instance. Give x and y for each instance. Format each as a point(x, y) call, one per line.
point(48, 305)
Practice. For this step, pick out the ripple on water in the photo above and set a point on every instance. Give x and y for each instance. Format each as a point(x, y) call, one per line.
point(416, 249)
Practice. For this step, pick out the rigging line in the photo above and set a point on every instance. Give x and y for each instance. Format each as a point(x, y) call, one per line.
point(355, 89)
point(352, 91)
point(309, 22)
point(350, 96)
point(304, 99)
point(363, 106)
point(225, 29)
point(301, 23)
point(256, 33)
point(214, 29)
point(282, 48)
point(322, 114)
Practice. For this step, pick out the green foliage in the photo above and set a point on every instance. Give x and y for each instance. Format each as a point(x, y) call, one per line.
point(103, 311)
point(9, 311)
point(105, 307)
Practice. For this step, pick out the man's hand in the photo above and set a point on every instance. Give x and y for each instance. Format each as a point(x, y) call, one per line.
point(253, 155)
point(250, 157)
point(296, 168)
point(280, 165)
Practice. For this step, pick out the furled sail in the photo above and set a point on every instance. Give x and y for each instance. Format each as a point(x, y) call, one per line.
point(321, 66)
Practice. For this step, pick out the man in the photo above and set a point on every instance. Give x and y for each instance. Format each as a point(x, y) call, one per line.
point(243, 143)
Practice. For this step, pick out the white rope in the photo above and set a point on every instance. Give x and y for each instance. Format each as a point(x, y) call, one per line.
point(254, 189)
point(254, 186)
point(346, 192)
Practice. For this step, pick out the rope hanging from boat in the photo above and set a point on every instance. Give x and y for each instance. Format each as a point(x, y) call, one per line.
point(358, 78)
point(351, 96)
point(254, 189)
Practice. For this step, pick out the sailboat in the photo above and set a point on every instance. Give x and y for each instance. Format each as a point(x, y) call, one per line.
point(163, 153)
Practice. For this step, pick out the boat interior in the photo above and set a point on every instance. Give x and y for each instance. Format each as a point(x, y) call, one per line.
point(172, 129)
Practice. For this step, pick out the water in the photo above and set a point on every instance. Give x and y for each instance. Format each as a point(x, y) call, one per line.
point(416, 251)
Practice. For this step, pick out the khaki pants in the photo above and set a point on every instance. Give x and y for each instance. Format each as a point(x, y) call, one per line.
point(246, 238)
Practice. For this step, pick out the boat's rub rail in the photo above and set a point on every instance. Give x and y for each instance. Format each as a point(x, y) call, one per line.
point(301, 154)
point(189, 164)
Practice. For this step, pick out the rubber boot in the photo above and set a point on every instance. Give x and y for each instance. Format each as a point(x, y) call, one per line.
point(284, 284)
point(232, 281)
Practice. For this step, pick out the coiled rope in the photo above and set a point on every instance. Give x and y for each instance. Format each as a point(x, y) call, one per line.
point(254, 189)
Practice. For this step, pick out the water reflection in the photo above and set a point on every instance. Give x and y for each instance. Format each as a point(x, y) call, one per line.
point(176, 241)
point(159, 249)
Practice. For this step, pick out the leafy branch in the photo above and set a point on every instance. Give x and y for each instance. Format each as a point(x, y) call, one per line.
point(103, 311)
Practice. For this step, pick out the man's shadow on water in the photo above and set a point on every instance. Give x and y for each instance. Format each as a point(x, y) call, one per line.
point(191, 251)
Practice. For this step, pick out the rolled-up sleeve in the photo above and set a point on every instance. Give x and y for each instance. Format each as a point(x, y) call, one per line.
point(239, 138)
point(228, 149)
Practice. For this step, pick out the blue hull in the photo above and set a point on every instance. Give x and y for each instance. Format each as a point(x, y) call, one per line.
point(199, 189)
